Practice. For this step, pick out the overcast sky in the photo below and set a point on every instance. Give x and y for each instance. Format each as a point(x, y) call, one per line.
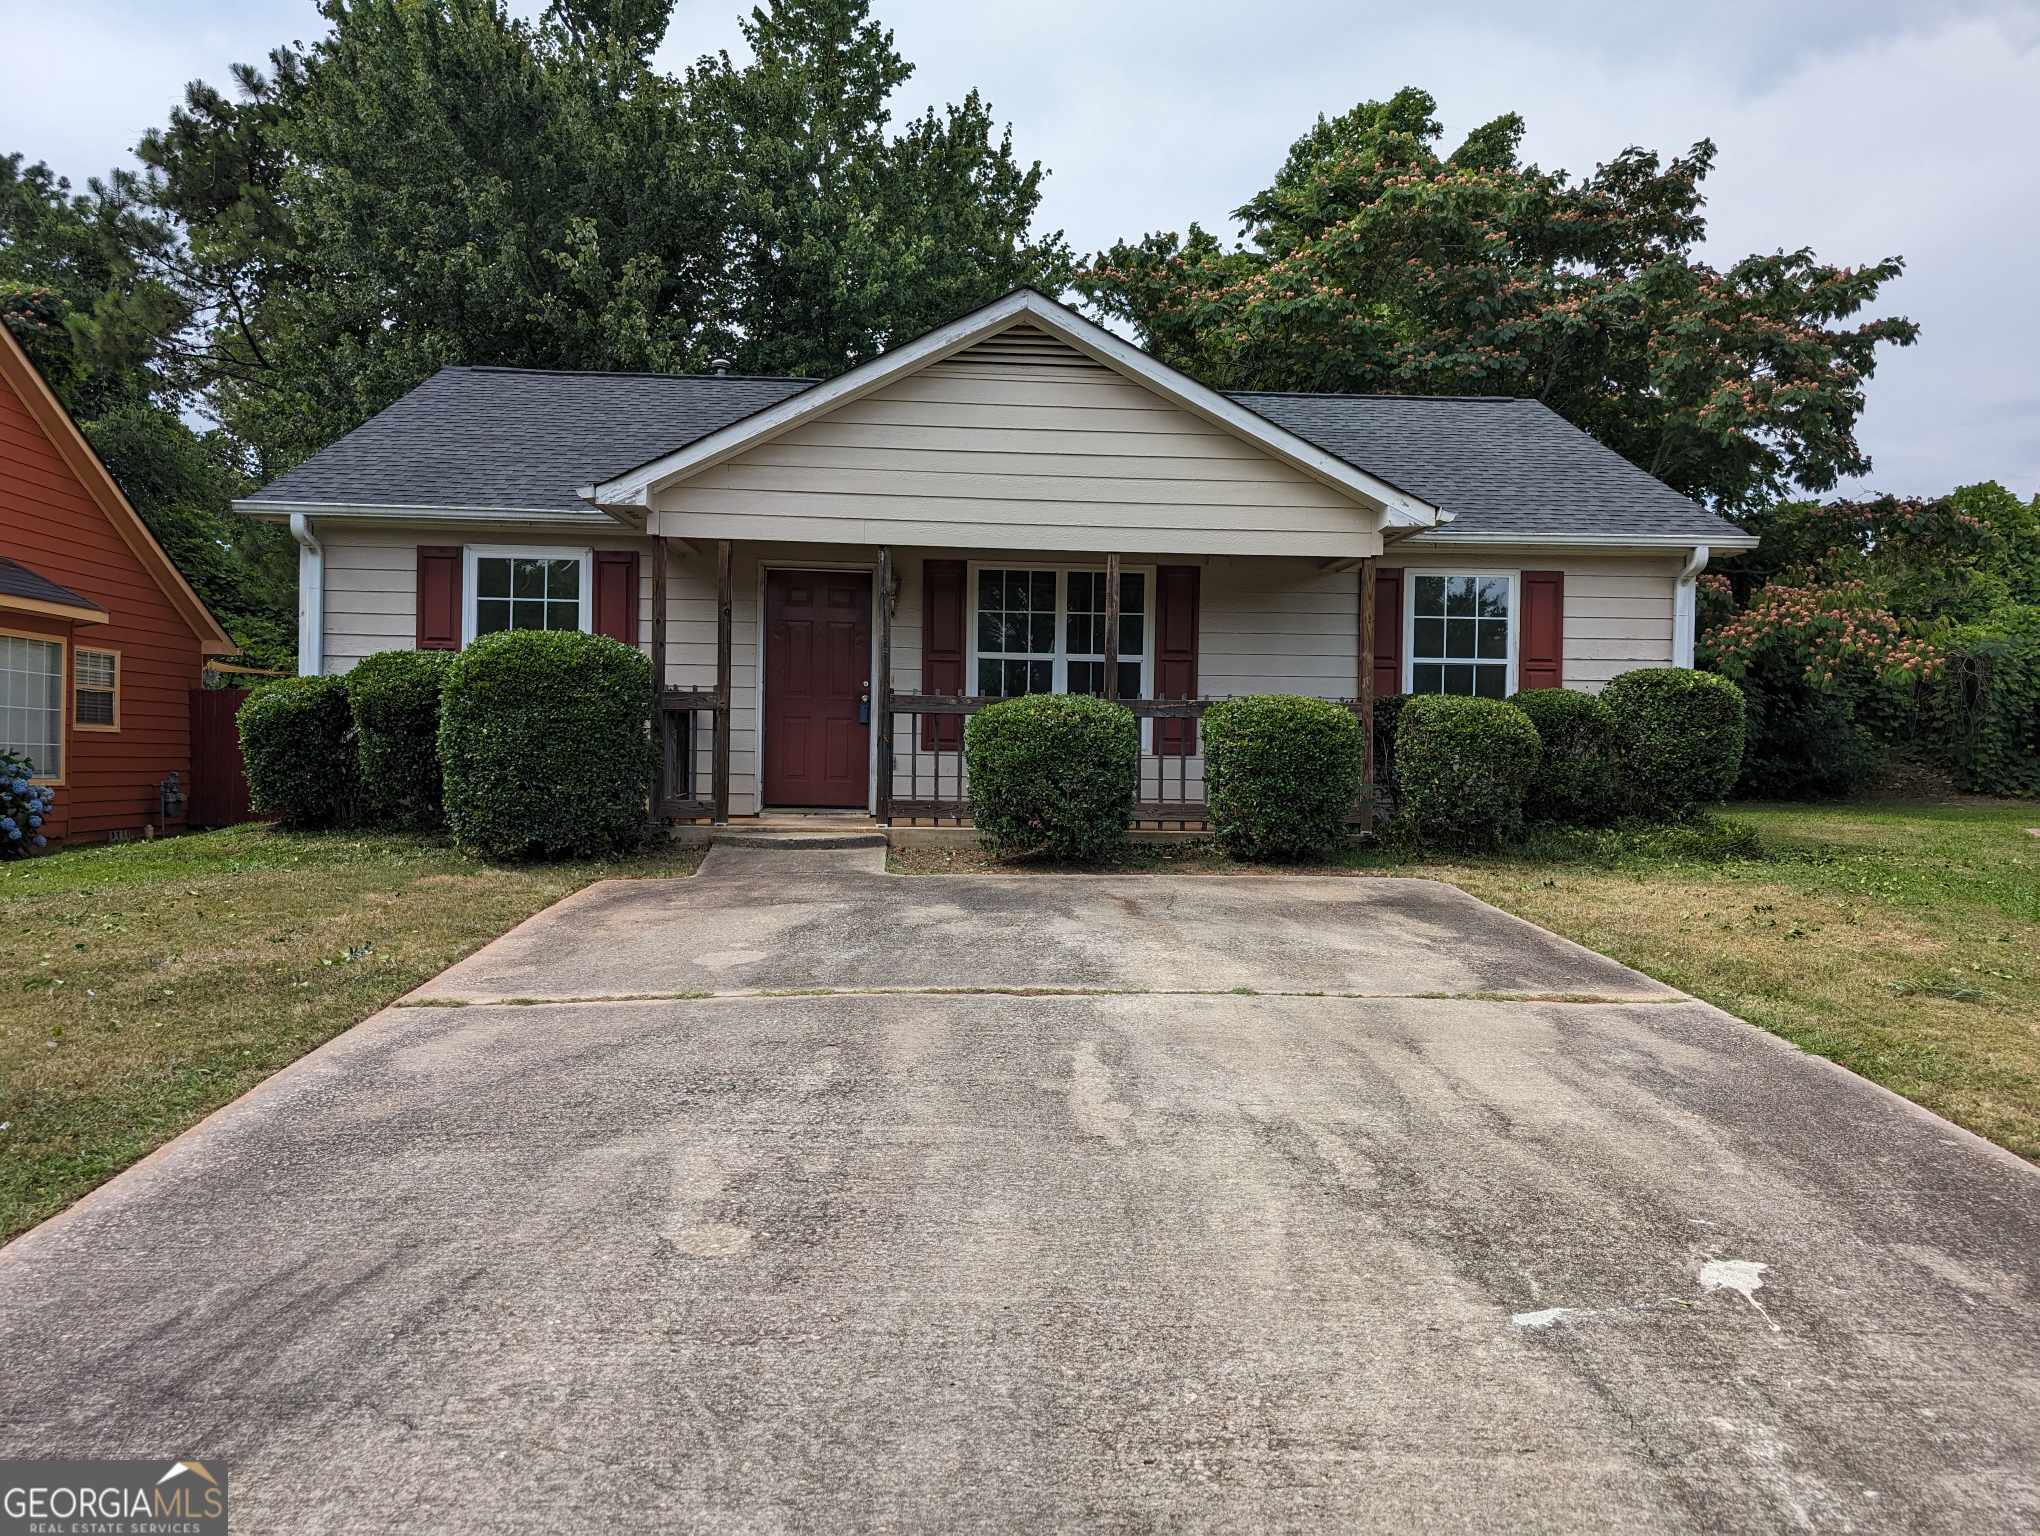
point(1863, 128)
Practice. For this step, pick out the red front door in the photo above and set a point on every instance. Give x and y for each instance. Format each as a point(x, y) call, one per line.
point(817, 683)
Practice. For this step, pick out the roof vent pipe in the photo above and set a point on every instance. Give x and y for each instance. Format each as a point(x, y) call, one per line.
point(719, 366)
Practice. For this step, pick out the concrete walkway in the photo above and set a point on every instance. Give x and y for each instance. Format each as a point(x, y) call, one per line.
point(1115, 1247)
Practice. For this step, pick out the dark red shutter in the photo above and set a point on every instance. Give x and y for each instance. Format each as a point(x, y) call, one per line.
point(942, 654)
point(1540, 637)
point(616, 594)
point(1388, 585)
point(1176, 654)
point(438, 597)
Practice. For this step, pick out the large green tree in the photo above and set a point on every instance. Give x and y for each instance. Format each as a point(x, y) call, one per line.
point(100, 292)
point(437, 181)
point(1375, 263)
point(845, 238)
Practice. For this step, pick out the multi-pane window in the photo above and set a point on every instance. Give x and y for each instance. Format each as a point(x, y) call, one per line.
point(95, 690)
point(32, 702)
point(1044, 632)
point(525, 592)
point(1084, 632)
point(1015, 632)
point(1459, 635)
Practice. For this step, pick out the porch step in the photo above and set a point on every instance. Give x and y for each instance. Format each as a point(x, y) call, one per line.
point(867, 836)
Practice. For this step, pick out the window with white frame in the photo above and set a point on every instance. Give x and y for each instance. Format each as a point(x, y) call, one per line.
point(1461, 635)
point(1042, 630)
point(32, 702)
point(95, 690)
point(527, 589)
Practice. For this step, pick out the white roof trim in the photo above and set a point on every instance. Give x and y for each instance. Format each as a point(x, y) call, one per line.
point(1446, 538)
point(635, 489)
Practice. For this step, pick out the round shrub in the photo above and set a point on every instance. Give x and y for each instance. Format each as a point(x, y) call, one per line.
point(1053, 775)
point(546, 746)
point(1464, 766)
point(24, 807)
point(394, 696)
point(1280, 774)
point(1575, 780)
point(1678, 738)
point(297, 747)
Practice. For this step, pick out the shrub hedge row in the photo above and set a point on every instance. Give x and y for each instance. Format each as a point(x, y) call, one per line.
point(528, 744)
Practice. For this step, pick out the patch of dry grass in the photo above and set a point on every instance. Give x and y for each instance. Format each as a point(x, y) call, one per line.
point(151, 983)
point(1901, 939)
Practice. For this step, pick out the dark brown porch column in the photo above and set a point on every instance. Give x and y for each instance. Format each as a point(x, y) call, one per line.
point(881, 685)
point(722, 681)
point(1367, 681)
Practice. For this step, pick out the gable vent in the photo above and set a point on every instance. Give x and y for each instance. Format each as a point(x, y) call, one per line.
point(1022, 347)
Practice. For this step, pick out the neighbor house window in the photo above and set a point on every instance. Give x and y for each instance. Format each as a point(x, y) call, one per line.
point(1461, 637)
point(32, 702)
point(1043, 631)
point(95, 690)
point(527, 589)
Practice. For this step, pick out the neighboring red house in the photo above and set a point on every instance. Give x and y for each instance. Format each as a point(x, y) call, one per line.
point(101, 639)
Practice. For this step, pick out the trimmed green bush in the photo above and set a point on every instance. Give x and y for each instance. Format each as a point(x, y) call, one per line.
point(1464, 766)
point(394, 696)
point(1053, 775)
point(297, 748)
point(1280, 774)
point(1575, 781)
point(546, 746)
point(1678, 738)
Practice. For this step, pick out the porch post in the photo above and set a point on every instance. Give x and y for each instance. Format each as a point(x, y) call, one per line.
point(1367, 681)
point(661, 732)
point(1111, 688)
point(722, 681)
point(881, 685)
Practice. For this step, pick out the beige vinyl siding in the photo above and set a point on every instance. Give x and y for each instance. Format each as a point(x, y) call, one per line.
point(1019, 442)
point(372, 581)
point(1618, 609)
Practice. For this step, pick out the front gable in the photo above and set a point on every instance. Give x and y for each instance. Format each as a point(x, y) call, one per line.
point(1022, 427)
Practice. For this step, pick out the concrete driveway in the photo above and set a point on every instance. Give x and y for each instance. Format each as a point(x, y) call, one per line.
point(1034, 1222)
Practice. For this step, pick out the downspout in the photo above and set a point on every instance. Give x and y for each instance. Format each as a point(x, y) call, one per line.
point(311, 599)
point(1686, 606)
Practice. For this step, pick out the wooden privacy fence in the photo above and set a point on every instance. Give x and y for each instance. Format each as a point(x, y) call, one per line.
point(219, 786)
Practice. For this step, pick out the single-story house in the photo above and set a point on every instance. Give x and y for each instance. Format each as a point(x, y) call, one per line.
point(102, 640)
point(829, 575)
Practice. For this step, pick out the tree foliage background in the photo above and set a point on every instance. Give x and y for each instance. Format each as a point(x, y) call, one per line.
point(437, 183)
point(1375, 264)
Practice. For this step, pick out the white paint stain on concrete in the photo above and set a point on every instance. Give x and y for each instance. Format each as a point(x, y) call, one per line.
point(1542, 1319)
point(1743, 1276)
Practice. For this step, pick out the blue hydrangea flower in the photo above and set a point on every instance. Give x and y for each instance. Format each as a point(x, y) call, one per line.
point(21, 786)
point(6, 823)
point(40, 841)
point(34, 822)
point(14, 834)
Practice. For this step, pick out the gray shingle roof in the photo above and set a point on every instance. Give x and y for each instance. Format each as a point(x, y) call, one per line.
point(1498, 465)
point(17, 580)
point(518, 440)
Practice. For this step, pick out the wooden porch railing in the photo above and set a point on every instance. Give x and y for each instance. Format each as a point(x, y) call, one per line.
point(691, 722)
point(922, 779)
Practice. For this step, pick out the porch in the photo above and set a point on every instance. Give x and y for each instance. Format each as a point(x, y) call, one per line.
point(750, 676)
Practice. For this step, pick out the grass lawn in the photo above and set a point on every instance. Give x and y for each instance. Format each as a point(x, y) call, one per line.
point(150, 983)
point(1901, 939)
